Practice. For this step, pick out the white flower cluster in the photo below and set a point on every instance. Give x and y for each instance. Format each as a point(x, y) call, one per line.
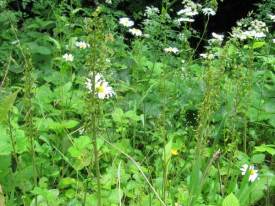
point(208, 12)
point(171, 50)
point(151, 11)
point(256, 30)
point(135, 32)
point(216, 38)
point(208, 56)
point(125, 21)
point(188, 12)
point(252, 172)
point(102, 88)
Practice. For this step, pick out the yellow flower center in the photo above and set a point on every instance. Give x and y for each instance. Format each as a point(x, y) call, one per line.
point(100, 89)
point(252, 172)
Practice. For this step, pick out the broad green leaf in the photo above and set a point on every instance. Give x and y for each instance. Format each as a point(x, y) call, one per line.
point(265, 148)
point(6, 105)
point(37, 49)
point(66, 182)
point(258, 44)
point(69, 124)
point(5, 146)
point(230, 200)
point(258, 158)
point(56, 43)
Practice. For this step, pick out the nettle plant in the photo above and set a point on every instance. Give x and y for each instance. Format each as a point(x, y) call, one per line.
point(96, 109)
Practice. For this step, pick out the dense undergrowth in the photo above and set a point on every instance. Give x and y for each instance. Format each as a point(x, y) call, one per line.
point(96, 109)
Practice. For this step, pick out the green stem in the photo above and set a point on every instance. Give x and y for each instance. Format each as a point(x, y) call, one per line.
point(202, 36)
point(94, 135)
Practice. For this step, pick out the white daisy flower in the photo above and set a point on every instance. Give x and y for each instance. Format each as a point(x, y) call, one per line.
point(82, 45)
point(171, 50)
point(125, 21)
point(218, 37)
point(135, 32)
point(253, 173)
point(102, 89)
point(68, 57)
point(208, 11)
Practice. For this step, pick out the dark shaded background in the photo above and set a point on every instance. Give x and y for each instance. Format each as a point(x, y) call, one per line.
point(228, 13)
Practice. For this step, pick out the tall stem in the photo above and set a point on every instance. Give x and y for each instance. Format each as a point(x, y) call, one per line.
point(202, 36)
point(30, 129)
point(94, 136)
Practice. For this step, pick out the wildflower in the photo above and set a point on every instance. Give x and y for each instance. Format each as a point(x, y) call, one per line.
point(253, 173)
point(273, 41)
point(81, 131)
point(102, 88)
point(218, 37)
point(125, 21)
point(150, 11)
point(207, 56)
point(174, 152)
point(208, 11)
point(82, 44)
point(257, 29)
point(185, 19)
point(135, 32)
point(187, 11)
point(68, 57)
point(171, 50)
point(272, 17)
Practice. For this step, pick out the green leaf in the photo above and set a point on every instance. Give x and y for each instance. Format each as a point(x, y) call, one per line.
point(5, 146)
point(258, 158)
point(265, 148)
point(258, 44)
point(69, 124)
point(37, 49)
point(66, 182)
point(55, 42)
point(6, 105)
point(230, 200)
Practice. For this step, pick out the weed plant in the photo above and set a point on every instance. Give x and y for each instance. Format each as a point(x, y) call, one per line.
point(97, 109)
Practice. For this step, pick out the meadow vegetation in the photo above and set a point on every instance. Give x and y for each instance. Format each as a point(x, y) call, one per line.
point(98, 108)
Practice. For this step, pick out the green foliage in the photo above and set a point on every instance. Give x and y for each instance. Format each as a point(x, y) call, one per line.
point(230, 200)
point(176, 130)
